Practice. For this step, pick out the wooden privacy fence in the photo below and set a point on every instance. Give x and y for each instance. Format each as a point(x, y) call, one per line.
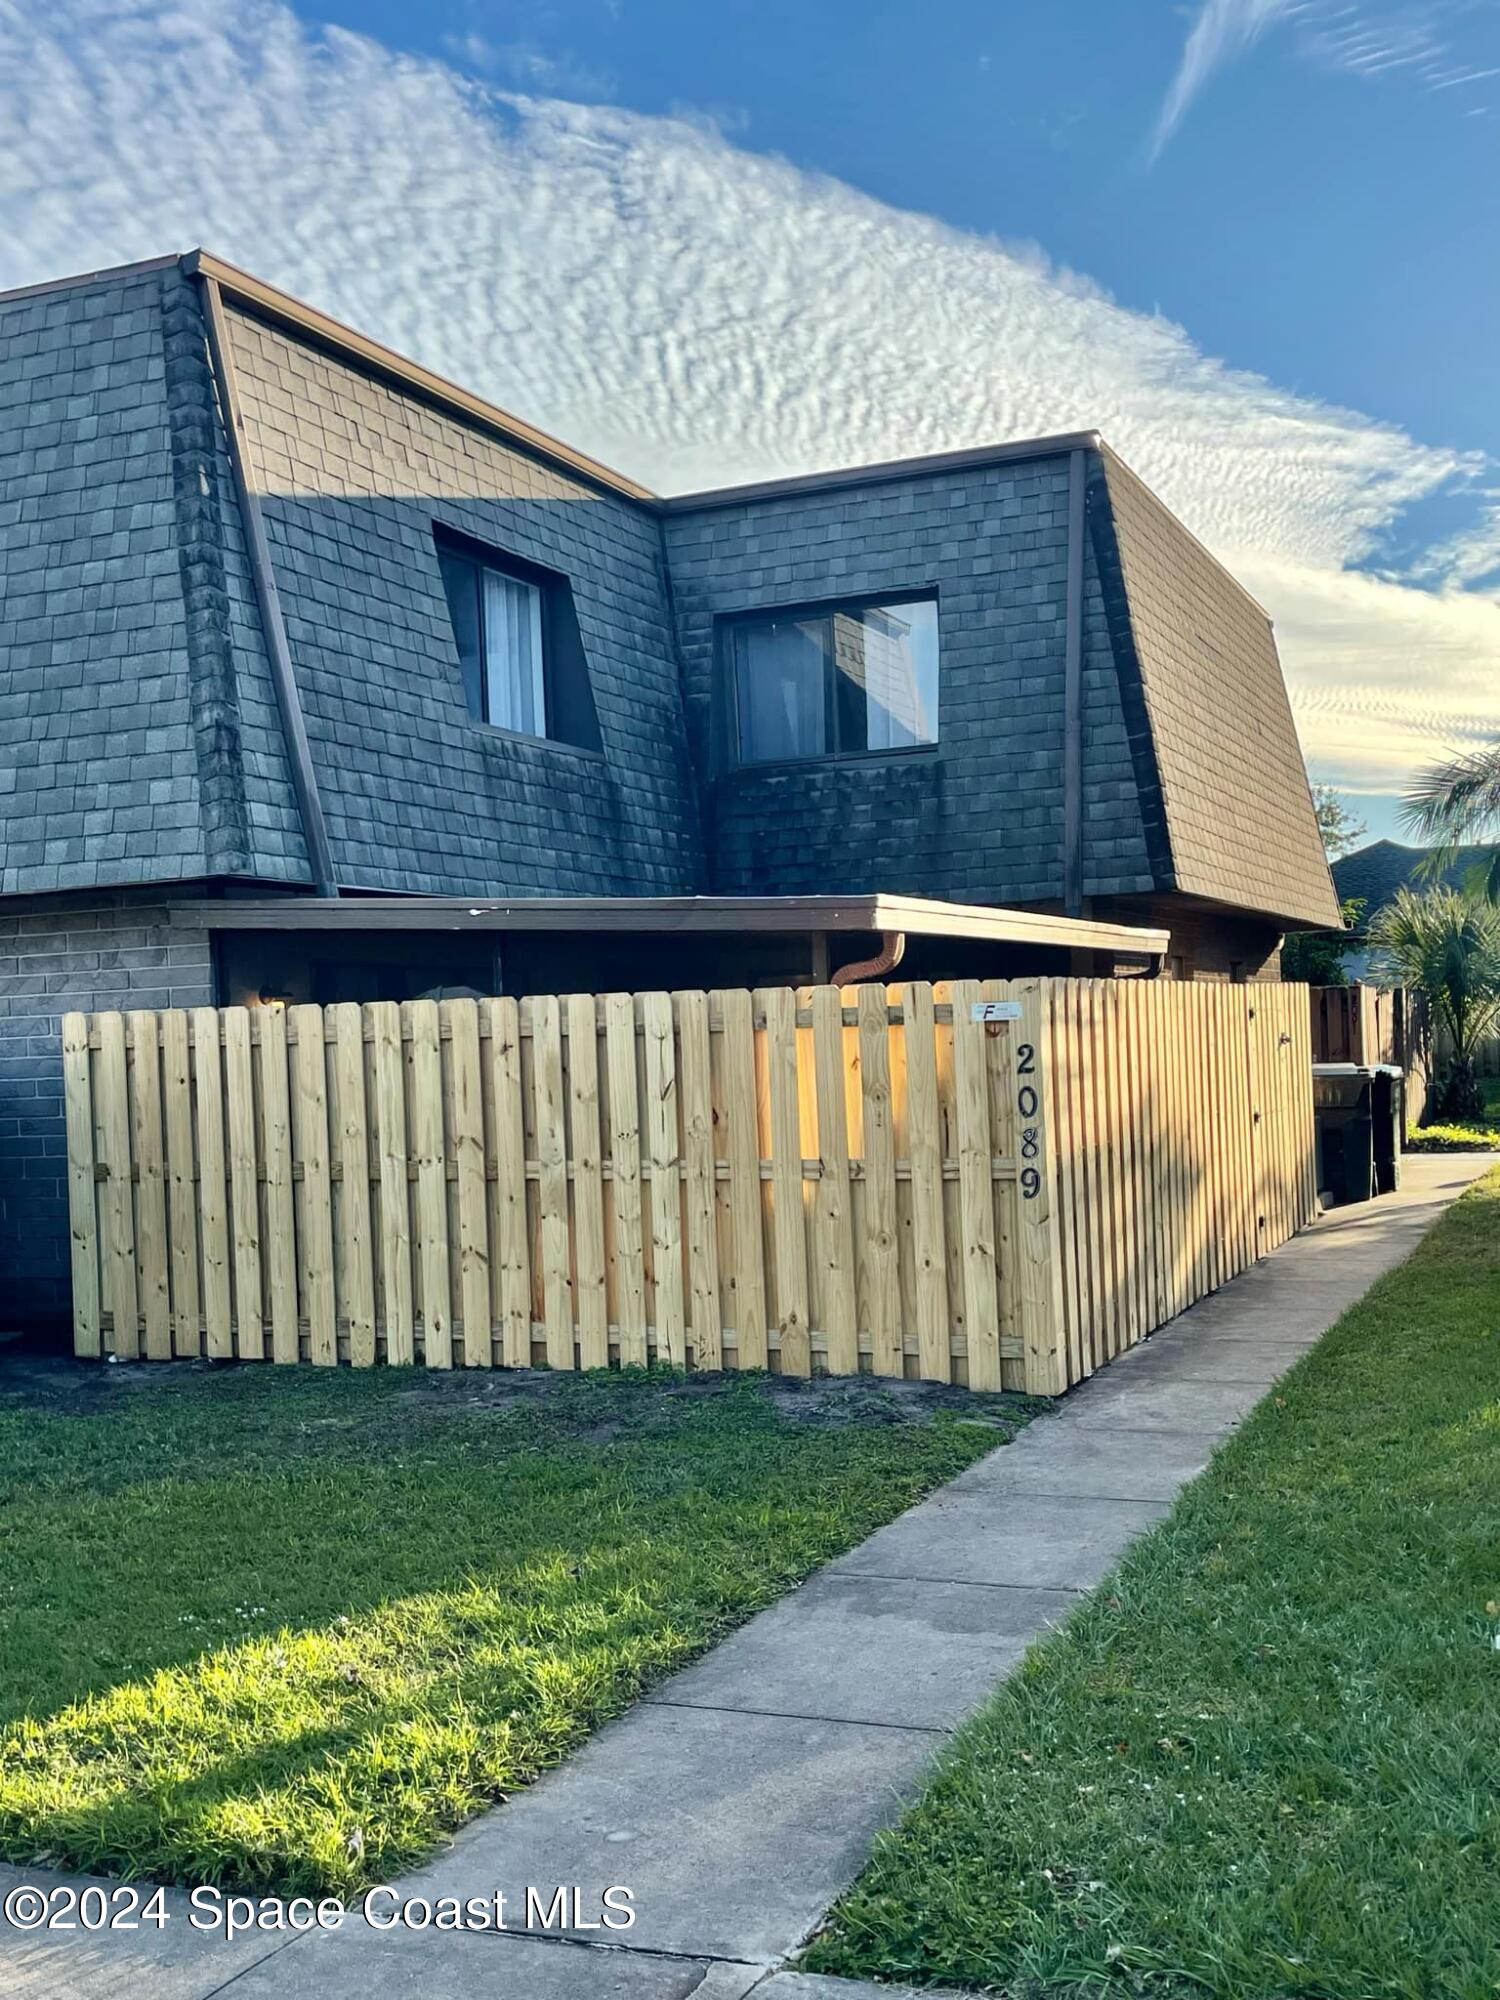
point(1001, 1184)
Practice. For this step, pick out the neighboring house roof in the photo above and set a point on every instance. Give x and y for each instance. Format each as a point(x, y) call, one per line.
point(1376, 872)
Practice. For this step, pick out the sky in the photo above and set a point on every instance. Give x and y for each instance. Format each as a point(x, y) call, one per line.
point(1251, 241)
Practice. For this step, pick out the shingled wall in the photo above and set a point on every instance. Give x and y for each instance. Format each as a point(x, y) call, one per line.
point(418, 795)
point(978, 817)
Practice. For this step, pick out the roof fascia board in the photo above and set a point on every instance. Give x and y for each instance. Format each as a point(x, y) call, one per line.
point(142, 269)
point(932, 463)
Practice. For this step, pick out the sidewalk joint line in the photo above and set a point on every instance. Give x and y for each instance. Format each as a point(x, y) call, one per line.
point(968, 1582)
point(787, 1715)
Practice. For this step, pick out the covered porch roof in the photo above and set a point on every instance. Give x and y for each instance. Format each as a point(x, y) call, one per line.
point(890, 916)
point(819, 919)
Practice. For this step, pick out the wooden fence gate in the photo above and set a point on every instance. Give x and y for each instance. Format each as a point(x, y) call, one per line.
point(1002, 1184)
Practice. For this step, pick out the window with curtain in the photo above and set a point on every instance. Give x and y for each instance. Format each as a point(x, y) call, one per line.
point(497, 626)
point(832, 683)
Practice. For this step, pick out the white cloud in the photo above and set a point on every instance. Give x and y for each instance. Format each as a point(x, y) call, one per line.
point(1222, 30)
point(697, 314)
point(1416, 37)
point(1383, 678)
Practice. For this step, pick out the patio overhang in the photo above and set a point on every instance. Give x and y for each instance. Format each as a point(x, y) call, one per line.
point(884, 915)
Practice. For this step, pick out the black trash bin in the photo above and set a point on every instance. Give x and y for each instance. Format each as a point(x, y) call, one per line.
point(1343, 1115)
point(1387, 1115)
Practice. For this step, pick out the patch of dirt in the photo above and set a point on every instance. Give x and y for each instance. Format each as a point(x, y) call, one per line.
point(34, 1379)
point(595, 1406)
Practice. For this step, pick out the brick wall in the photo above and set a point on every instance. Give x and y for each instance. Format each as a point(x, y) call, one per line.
point(978, 818)
point(1206, 943)
point(87, 952)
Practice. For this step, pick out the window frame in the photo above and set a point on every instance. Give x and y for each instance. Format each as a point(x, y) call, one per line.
point(726, 623)
point(560, 636)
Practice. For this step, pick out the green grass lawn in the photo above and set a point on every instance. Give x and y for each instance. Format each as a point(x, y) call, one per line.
point(286, 1627)
point(1264, 1758)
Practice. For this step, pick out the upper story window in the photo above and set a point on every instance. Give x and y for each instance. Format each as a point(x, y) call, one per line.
point(832, 683)
point(519, 653)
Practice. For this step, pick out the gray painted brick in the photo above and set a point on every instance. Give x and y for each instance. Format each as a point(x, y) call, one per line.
point(113, 953)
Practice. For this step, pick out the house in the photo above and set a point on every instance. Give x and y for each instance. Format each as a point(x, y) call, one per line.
point(1372, 875)
point(323, 678)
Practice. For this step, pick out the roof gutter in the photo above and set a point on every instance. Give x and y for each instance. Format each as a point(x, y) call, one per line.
point(273, 625)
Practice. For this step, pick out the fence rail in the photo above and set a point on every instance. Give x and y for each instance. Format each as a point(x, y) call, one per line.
point(878, 1179)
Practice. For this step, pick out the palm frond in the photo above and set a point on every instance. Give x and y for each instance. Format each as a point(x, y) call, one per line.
point(1452, 803)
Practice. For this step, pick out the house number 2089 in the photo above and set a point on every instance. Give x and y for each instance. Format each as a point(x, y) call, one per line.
point(1026, 1105)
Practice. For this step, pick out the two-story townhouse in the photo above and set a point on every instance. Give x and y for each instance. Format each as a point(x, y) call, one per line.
point(323, 678)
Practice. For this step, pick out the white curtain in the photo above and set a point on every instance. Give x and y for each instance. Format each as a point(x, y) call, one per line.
point(513, 654)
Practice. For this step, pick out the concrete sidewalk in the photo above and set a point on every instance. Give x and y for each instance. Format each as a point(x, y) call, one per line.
point(740, 1799)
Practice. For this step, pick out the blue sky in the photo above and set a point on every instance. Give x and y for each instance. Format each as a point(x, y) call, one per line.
point(1252, 240)
point(1331, 225)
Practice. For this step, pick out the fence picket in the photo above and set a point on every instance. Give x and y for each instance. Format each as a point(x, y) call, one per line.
point(552, 1187)
point(150, 1189)
point(182, 1183)
point(244, 1185)
point(356, 1246)
point(929, 1239)
point(666, 1176)
point(315, 1210)
point(789, 1229)
point(833, 1221)
point(625, 1178)
point(83, 1213)
point(121, 1294)
point(976, 1197)
point(1040, 1274)
point(280, 1237)
point(747, 1264)
point(213, 1210)
point(395, 1190)
point(592, 1298)
point(880, 1280)
point(699, 1203)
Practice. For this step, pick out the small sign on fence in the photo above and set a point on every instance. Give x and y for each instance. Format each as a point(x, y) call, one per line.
point(995, 1010)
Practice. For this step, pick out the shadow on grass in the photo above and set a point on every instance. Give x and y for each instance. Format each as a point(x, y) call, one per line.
point(322, 1639)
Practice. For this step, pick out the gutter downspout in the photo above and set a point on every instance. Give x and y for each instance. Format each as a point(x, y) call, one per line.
point(892, 951)
point(1073, 696)
point(288, 701)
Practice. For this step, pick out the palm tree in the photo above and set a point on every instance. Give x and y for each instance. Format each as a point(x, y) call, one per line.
point(1447, 945)
point(1455, 803)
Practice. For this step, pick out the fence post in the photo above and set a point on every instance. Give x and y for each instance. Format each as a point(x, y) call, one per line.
point(1039, 1247)
point(83, 1212)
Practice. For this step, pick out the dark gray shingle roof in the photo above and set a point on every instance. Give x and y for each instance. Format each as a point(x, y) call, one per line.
point(1376, 872)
